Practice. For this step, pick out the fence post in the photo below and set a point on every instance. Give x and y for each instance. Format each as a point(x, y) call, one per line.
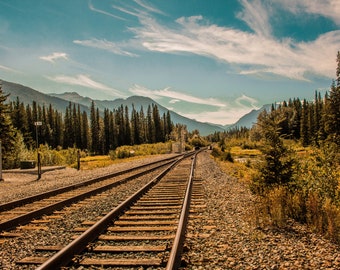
point(1, 179)
point(39, 166)
point(78, 160)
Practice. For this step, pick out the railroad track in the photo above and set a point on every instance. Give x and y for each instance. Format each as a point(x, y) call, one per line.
point(24, 210)
point(145, 230)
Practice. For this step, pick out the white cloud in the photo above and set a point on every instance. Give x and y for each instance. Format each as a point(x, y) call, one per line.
point(7, 69)
point(86, 81)
point(91, 7)
point(281, 57)
point(54, 56)
point(326, 8)
point(104, 45)
point(245, 101)
point(256, 16)
point(218, 112)
point(175, 96)
point(223, 116)
point(148, 7)
point(173, 101)
point(257, 52)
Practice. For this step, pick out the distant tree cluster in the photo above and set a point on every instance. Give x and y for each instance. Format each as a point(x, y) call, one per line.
point(99, 133)
point(311, 122)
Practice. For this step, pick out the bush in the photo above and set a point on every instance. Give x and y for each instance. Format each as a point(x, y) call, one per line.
point(226, 156)
point(140, 150)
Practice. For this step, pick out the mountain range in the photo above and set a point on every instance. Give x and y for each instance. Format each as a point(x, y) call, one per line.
point(61, 101)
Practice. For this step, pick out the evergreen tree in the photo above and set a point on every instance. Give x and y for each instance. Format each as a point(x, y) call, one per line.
point(77, 125)
point(142, 126)
point(7, 132)
point(107, 131)
point(113, 132)
point(135, 127)
point(68, 129)
point(304, 124)
point(127, 128)
point(58, 130)
point(277, 168)
point(94, 129)
point(20, 121)
point(157, 124)
point(85, 137)
point(333, 121)
point(151, 132)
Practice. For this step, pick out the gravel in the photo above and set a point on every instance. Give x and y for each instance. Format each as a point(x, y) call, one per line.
point(224, 236)
point(61, 230)
point(18, 185)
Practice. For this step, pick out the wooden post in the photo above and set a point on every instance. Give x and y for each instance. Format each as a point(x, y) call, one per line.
point(39, 166)
point(38, 123)
point(78, 160)
point(1, 179)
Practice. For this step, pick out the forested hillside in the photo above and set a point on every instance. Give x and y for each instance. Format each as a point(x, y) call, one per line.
point(92, 133)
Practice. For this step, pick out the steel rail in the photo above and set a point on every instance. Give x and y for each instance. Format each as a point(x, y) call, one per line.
point(174, 260)
point(44, 195)
point(25, 218)
point(65, 255)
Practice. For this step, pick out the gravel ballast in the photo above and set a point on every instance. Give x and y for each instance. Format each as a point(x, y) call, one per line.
point(230, 238)
point(224, 237)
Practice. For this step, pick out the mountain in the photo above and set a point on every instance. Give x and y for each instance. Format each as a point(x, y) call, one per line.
point(60, 101)
point(27, 95)
point(138, 102)
point(249, 119)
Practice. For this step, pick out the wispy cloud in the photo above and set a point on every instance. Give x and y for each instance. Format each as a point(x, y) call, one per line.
point(224, 116)
point(8, 69)
point(105, 45)
point(256, 52)
point(148, 7)
point(326, 8)
point(86, 81)
point(245, 101)
point(255, 14)
point(211, 110)
point(54, 56)
point(91, 7)
point(175, 96)
point(261, 54)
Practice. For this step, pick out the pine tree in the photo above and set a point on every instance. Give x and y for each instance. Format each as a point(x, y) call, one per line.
point(150, 127)
point(127, 127)
point(277, 168)
point(77, 125)
point(20, 121)
point(107, 131)
point(7, 132)
point(85, 137)
point(157, 124)
point(94, 129)
point(333, 121)
point(304, 124)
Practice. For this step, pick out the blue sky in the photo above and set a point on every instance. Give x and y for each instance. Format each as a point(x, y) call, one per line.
point(212, 61)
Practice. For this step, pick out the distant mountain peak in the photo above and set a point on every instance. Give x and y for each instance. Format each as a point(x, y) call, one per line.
point(61, 101)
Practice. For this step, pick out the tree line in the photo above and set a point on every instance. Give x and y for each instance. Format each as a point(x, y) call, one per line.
point(311, 122)
point(97, 133)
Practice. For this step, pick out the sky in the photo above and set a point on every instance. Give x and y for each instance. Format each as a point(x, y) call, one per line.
point(212, 61)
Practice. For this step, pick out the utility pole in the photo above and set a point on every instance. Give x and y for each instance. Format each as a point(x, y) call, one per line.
point(1, 179)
